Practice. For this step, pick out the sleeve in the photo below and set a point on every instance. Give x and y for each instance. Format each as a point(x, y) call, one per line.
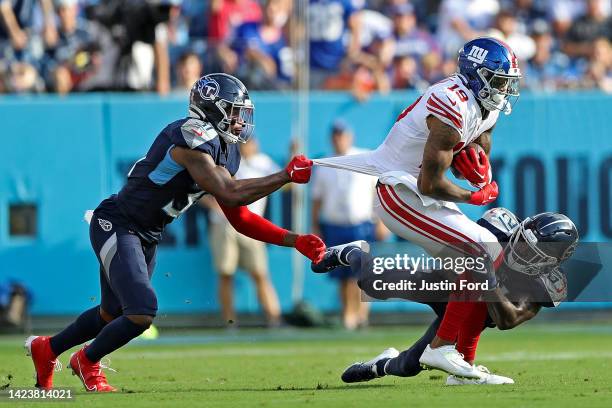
point(197, 135)
point(446, 107)
point(254, 226)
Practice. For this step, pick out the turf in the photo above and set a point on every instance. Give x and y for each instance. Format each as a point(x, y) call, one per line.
point(553, 365)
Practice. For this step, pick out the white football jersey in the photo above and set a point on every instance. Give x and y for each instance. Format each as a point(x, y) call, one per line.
point(448, 100)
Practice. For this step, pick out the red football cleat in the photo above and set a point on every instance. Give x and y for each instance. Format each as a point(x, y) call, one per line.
point(91, 374)
point(45, 362)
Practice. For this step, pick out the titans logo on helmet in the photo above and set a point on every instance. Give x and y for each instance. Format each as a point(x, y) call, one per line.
point(208, 88)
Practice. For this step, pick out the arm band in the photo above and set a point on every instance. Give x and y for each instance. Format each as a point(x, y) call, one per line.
point(254, 226)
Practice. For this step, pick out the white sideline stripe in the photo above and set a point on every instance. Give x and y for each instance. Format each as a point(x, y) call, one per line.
point(358, 352)
point(107, 252)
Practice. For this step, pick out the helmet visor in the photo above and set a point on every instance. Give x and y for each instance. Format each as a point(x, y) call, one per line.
point(505, 85)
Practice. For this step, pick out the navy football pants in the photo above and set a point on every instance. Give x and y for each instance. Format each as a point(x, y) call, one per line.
point(126, 267)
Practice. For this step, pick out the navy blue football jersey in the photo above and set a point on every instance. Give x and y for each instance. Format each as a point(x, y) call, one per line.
point(548, 288)
point(158, 189)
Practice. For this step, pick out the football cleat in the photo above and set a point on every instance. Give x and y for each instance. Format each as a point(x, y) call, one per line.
point(360, 371)
point(90, 374)
point(448, 359)
point(337, 256)
point(486, 378)
point(45, 362)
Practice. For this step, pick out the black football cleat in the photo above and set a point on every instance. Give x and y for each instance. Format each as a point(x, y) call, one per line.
point(361, 372)
point(336, 256)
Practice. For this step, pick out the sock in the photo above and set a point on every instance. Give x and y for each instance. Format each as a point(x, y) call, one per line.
point(469, 334)
point(407, 363)
point(354, 259)
point(84, 328)
point(380, 367)
point(116, 334)
point(456, 313)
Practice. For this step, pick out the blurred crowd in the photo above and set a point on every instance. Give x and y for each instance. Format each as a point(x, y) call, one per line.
point(65, 46)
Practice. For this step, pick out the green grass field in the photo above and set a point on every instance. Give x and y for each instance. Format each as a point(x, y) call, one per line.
point(553, 365)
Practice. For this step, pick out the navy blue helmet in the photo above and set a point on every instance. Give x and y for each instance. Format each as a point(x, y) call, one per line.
point(224, 102)
point(492, 72)
point(544, 240)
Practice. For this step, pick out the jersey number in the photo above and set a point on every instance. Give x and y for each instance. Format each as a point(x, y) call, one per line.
point(460, 92)
point(174, 212)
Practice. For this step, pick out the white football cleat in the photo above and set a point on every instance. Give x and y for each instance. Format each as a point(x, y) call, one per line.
point(448, 359)
point(486, 378)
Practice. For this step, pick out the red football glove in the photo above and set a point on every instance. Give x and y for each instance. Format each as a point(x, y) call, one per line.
point(475, 168)
point(299, 169)
point(485, 195)
point(311, 246)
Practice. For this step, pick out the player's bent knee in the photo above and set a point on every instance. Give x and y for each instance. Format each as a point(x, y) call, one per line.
point(106, 316)
point(142, 320)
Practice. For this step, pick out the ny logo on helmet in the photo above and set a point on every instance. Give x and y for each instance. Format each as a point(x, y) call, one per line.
point(208, 88)
point(477, 54)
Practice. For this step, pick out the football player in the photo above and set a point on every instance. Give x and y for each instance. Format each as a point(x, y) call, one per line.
point(530, 278)
point(417, 201)
point(190, 157)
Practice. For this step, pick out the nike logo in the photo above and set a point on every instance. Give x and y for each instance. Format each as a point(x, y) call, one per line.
point(197, 132)
point(296, 168)
point(451, 101)
point(478, 174)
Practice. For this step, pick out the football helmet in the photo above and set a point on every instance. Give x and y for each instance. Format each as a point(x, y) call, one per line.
point(544, 240)
point(224, 102)
point(492, 73)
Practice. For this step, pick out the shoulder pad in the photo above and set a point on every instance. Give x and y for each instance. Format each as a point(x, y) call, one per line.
point(197, 132)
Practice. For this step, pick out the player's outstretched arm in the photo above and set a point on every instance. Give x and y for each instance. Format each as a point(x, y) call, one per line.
point(507, 314)
point(217, 181)
point(259, 228)
point(437, 158)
